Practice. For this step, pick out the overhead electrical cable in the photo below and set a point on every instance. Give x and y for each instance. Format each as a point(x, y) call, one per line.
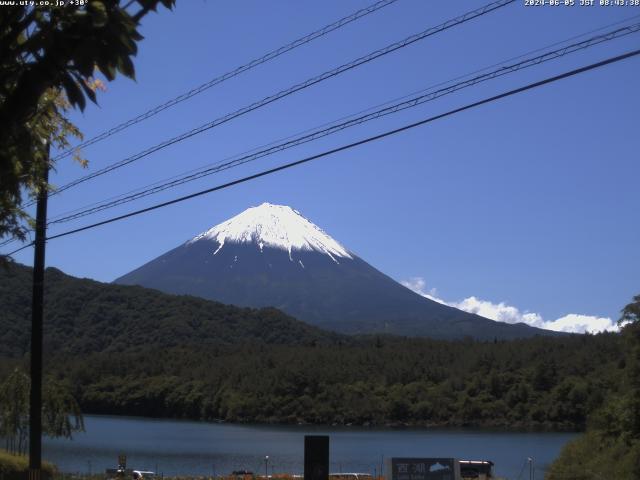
point(198, 170)
point(409, 40)
point(207, 167)
point(232, 73)
point(349, 146)
point(353, 115)
point(406, 104)
point(490, 7)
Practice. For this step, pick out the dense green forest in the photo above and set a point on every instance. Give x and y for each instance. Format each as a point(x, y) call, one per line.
point(84, 316)
point(133, 351)
point(537, 383)
point(610, 448)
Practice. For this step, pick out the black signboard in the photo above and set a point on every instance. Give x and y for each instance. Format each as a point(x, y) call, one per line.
point(423, 469)
point(316, 457)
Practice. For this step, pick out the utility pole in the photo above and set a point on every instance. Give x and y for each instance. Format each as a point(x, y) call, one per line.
point(37, 304)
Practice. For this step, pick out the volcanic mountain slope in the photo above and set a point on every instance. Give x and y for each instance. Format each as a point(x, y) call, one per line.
point(271, 255)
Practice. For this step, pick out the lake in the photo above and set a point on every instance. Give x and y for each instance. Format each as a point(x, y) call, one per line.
point(176, 447)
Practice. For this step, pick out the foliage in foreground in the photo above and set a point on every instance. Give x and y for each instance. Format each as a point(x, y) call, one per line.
point(595, 455)
point(41, 62)
point(611, 446)
point(16, 467)
point(61, 415)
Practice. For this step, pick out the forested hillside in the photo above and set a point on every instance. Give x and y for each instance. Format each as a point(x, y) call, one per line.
point(610, 448)
point(84, 316)
point(538, 383)
point(132, 351)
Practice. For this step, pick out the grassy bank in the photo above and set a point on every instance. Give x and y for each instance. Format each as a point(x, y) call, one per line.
point(16, 467)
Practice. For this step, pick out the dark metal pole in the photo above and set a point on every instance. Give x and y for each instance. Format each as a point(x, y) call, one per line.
point(35, 405)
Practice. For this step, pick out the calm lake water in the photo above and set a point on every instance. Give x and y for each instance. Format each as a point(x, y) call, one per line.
point(199, 448)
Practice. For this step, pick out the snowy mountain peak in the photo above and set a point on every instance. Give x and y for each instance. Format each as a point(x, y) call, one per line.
point(275, 226)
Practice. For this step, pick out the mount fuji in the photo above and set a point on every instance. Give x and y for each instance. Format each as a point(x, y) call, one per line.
point(270, 255)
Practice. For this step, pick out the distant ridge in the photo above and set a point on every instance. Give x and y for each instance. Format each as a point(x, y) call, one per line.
point(271, 255)
point(84, 316)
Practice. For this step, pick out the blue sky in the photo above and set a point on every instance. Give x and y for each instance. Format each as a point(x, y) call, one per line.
point(530, 202)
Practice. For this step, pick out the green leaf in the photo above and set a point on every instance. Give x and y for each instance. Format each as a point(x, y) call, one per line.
point(89, 92)
point(107, 69)
point(99, 15)
point(74, 94)
point(84, 60)
point(125, 65)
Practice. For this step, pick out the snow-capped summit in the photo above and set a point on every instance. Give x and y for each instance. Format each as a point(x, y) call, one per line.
point(270, 255)
point(275, 226)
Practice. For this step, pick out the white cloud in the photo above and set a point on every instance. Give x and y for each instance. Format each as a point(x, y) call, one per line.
point(495, 311)
point(582, 323)
point(573, 322)
point(418, 285)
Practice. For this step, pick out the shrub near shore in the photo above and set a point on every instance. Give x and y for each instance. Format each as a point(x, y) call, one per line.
point(16, 467)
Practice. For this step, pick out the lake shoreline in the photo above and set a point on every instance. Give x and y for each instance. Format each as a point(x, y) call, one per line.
point(488, 426)
point(187, 448)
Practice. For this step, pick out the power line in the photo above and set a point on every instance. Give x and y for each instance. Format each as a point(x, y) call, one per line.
point(293, 89)
point(413, 102)
point(349, 146)
point(232, 73)
point(353, 115)
point(455, 21)
point(204, 170)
